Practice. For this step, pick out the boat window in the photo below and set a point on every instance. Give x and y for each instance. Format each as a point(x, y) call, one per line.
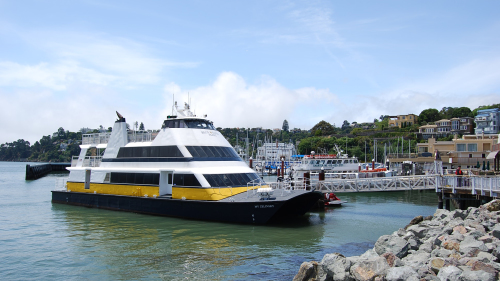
point(149, 151)
point(199, 124)
point(329, 162)
point(223, 180)
point(135, 178)
point(355, 160)
point(322, 162)
point(186, 180)
point(209, 151)
point(227, 181)
point(212, 151)
point(190, 180)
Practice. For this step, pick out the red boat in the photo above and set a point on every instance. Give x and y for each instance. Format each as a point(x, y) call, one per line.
point(332, 200)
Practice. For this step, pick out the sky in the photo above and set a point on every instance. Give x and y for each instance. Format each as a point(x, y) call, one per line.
point(245, 64)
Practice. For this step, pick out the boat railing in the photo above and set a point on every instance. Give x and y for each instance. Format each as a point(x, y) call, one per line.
point(74, 161)
point(61, 184)
point(92, 161)
point(140, 136)
point(95, 139)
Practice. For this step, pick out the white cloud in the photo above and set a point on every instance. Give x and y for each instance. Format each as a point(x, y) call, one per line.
point(231, 102)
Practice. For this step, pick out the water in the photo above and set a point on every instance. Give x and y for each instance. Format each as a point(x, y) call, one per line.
point(41, 240)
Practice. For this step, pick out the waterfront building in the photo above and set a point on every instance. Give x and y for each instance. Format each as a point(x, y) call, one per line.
point(402, 120)
point(487, 121)
point(466, 151)
point(445, 127)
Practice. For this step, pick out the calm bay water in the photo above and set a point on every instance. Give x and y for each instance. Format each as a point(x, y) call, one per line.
point(41, 240)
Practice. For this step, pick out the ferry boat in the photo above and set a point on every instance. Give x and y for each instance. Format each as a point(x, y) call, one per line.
point(329, 163)
point(187, 170)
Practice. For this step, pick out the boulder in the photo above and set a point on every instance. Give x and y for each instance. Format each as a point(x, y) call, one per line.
point(390, 258)
point(471, 247)
point(392, 244)
point(478, 265)
point(451, 245)
point(479, 275)
point(401, 274)
point(419, 231)
point(336, 266)
point(416, 260)
point(450, 273)
point(495, 232)
point(493, 205)
point(414, 221)
point(436, 264)
point(368, 270)
point(460, 229)
point(307, 271)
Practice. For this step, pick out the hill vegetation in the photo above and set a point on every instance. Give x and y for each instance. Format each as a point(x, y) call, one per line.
point(355, 139)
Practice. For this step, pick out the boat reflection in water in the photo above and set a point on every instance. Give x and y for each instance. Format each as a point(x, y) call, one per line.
point(116, 244)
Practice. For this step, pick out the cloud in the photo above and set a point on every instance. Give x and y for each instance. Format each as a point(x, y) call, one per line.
point(71, 57)
point(232, 102)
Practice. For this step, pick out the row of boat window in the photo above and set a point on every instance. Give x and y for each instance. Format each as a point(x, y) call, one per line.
point(149, 151)
point(330, 162)
point(186, 123)
point(153, 179)
point(215, 180)
point(212, 151)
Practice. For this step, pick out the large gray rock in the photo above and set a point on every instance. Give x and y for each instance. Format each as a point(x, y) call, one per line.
point(336, 266)
point(419, 231)
point(477, 275)
point(495, 232)
point(449, 273)
point(416, 260)
point(307, 271)
point(370, 269)
point(401, 274)
point(471, 247)
point(392, 244)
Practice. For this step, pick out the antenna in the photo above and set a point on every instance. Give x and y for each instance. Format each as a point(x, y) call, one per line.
point(173, 101)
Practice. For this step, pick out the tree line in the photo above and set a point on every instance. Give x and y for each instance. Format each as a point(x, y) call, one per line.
point(322, 137)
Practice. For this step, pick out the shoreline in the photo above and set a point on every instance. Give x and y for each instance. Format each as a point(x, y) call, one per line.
point(450, 245)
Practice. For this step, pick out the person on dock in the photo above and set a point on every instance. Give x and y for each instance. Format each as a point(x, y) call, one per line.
point(459, 172)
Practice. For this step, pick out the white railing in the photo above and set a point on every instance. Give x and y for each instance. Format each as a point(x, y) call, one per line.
point(476, 184)
point(99, 138)
point(139, 136)
point(92, 161)
point(377, 184)
point(61, 184)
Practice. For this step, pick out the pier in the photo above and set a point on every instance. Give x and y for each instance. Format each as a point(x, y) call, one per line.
point(461, 191)
point(37, 171)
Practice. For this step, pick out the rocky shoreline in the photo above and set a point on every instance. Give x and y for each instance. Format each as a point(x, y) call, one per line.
point(458, 245)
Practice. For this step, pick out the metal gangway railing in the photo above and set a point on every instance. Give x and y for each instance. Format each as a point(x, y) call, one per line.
point(477, 185)
point(418, 182)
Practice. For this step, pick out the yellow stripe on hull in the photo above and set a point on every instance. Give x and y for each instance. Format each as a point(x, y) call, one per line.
point(115, 189)
point(212, 194)
point(193, 193)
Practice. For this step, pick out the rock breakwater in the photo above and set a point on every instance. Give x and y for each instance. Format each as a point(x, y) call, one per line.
point(458, 245)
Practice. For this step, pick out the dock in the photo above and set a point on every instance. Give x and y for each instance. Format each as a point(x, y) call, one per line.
point(37, 171)
point(461, 191)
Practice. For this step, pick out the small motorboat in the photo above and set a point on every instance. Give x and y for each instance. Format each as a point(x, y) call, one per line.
point(332, 200)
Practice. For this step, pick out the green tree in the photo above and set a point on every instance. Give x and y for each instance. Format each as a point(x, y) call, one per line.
point(141, 127)
point(285, 126)
point(324, 127)
point(428, 115)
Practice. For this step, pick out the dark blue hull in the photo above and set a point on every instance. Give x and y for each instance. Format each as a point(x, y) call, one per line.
point(257, 212)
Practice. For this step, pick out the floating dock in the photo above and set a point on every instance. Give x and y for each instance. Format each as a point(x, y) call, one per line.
point(37, 171)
